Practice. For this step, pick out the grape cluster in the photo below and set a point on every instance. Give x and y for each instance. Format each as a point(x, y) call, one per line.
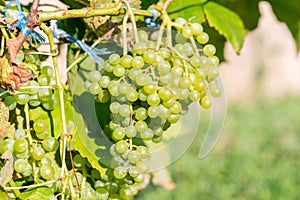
point(31, 159)
point(150, 88)
point(33, 93)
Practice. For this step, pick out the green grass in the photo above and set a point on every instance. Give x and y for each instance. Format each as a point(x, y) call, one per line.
point(257, 157)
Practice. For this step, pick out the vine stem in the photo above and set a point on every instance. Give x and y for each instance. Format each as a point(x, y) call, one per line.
point(132, 19)
point(63, 141)
point(29, 186)
point(124, 33)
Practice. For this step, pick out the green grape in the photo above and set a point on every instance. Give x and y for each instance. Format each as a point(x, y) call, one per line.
point(153, 99)
point(114, 107)
point(79, 161)
point(22, 155)
point(45, 161)
point(185, 82)
point(153, 111)
point(142, 95)
point(143, 79)
point(95, 88)
point(215, 90)
point(177, 71)
point(113, 89)
point(149, 57)
point(120, 172)
point(197, 28)
point(126, 193)
point(49, 104)
point(173, 118)
point(132, 95)
point(143, 35)
point(22, 98)
point(209, 50)
point(176, 108)
point(126, 61)
point(212, 72)
point(48, 71)
point(124, 110)
point(104, 81)
point(118, 133)
point(27, 171)
point(143, 151)
point(141, 114)
point(34, 101)
point(10, 102)
point(164, 112)
point(50, 144)
point(19, 165)
point(103, 96)
point(142, 166)
point(164, 52)
point(187, 31)
point(179, 47)
point(214, 60)
point(19, 133)
point(163, 68)
point(140, 48)
point(43, 134)
point(202, 38)
point(194, 95)
point(133, 157)
point(180, 21)
point(150, 45)
point(37, 153)
point(137, 62)
point(130, 131)
point(113, 125)
point(20, 145)
point(165, 94)
point(40, 125)
point(179, 38)
point(141, 126)
point(109, 67)
point(195, 61)
point(133, 171)
point(6, 145)
point(200, 85)
point(114, 59)
point(119, 71)
point(121, 146)
point(47, 172)
point(170, 102)
point(102, 194)
point(205, 102)
point(44, 94)
point(94, 76)
point(43, 80)
point(188, 49)
point(150, 88)
point(123, 87)
point(133, 73)
point(146, 134)
point(157, 139)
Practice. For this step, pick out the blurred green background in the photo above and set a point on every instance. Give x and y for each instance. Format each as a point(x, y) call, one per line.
point(257, 157)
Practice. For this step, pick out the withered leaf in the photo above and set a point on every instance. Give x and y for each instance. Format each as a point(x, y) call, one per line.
point(4, 116)
point(12, 76)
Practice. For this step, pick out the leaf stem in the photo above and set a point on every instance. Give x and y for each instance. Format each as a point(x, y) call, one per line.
point(28, 186)
point(132, 19)
point(124, 33)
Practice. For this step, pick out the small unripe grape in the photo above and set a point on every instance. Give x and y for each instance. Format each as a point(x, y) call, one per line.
point(205, 102)
point(143, 35)
point(79, 161)
point(19, 133)
point(202, 38)
point(20, 145)
point(150, 88)
point(134, 157)
point(133, 171)
point(187, 31)
point(47, 70)
point(95, 88)
point(50, 144)
point(141, 114)
point(140, 48)
point(130, 131)
point(121, 146)
point(132, 95)
point(43, 79)
point(164, 52)
point(114, 59)
point(94, 76)
point(47, 172)
point(118, 133)
point(212, 72)
point(137, 62)
point(37, 153)
point(126, 61)
point(119, 71)
point(149, 57)
point(19, 165)
point(153, 99)
point(124, 110)
point(180, 21)
point(147, 134)
point(120, 172)
point(142, 166)
point(185, 82)
point(104, 81)
point(22, 98)
point(197, 28)
point(143, 151)
point(179, 38)
point(209, 50)
point(103, 96)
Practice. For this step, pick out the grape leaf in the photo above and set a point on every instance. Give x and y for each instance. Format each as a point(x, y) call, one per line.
point(4, 195)
point(7, 170)
point(226, 22)
point(87, 139)
point(37, 194)
point(187, 9)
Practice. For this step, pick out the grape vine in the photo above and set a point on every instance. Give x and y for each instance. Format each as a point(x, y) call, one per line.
point(146, 87)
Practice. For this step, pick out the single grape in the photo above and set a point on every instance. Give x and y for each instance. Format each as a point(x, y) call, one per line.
point(153, 99)
point(113, 89)
point(79, 161)
point(164, 52)
point(103, 96)
point(185, 82)
point(140, 48)
point(47, 172)
point(133, 157)
point(141, 114)
point(10, 102)
point(114, 107)
point(21, 155)
point(50, 144)
point(126, 61)
point(187, 31)
point(37, 153)
point(40, 125)
point(133, 171)
point(165, 93)
point(6, 145)
point(19, 165)
point(119, 71)
point(130, 131)
point(120, 172)
point(139, 179)
point(146, 134)
point(205, 102)
point(95, 88)
point(19, 133)
point(141, 126)
point(200, 85)
point(180, 21)
point(126, 193)
point(215, 90)
point(34, 86)
point(143, 79)
point(153, 111)
point(197, 28)
point(101, 194)
point(94, 76)
point(143, 151)
point(142, 166)
point(143, 35)
point(45, 161)
point(118, 133)
point(209, 50)
point(121, 146)
point(149, 57)
point(22, 98)
point(47, 70)
point(202, 38)
point(44, 94)
point(43, 134)
point(163, 68)
point(194, 95)
point(124, 110)
point(34, 100)
point(43, 79)
point(104, 81)
point(20, 145)
point(212, 73)
point(123, 87)
point(150, 88)
point(173, 118)
point(137, 62)
point(132, 95)
point(176, 108)
point(114, 59)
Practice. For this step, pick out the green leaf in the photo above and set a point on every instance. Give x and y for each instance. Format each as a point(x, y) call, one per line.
point(44, 193)
point(187, 9)
point(7, 170)
point(4, 195)
point(227, 23)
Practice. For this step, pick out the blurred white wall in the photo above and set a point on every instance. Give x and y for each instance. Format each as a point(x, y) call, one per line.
point(268, 65)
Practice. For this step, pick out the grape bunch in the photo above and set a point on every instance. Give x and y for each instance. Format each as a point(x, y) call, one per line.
point(150, 88)
point(36, 92)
